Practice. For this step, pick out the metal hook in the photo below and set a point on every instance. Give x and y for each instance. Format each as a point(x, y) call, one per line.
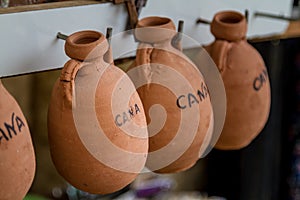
point(179, 31)
point(109, 34)
point(61, 36)
point(202, 21)
point(176, 42)
point(108, 56)
point(246, 15)
point(273, 16)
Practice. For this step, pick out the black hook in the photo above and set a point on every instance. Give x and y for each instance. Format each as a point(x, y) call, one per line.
point(246, 15)
point(61, 36)
point(108, 56)
point(176, 42)
point(273, 16)
point(109, 34)
point(203, 21)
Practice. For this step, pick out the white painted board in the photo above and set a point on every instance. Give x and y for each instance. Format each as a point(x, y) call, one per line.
point(28, 39)
point(189, 11)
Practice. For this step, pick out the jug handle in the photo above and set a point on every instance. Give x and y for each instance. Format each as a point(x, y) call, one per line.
point(67, 79)
point(218, 51)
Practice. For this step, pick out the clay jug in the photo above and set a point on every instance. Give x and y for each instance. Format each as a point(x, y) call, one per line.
point(245, 79)
point(96, 123)
point(175, 98)
point(17, 159)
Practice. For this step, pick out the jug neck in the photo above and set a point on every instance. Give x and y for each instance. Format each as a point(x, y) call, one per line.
point(229, 25)
point(155, 30)
point(86, 46)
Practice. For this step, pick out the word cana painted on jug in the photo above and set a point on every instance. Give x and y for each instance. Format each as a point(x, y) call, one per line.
point(187, 100)
point(9, 130)
point(126, 116)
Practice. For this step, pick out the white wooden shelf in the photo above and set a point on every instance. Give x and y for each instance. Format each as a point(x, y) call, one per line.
point(28, 39)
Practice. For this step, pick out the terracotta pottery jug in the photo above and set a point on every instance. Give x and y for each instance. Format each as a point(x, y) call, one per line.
point(17, 159)
point(96, 122)
point(175, 98)
point(245, 79)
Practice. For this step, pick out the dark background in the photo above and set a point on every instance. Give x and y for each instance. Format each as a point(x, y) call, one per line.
point(264, 169)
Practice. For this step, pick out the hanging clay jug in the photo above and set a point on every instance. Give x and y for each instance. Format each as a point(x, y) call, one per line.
point(175, 98)
point(245, 79)
point(17, 159)
point(96, 123)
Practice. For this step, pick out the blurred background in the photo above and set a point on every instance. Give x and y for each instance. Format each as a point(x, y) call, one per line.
point(269, 168)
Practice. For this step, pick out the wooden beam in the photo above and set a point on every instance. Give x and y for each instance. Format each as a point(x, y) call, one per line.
point(45, 6)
